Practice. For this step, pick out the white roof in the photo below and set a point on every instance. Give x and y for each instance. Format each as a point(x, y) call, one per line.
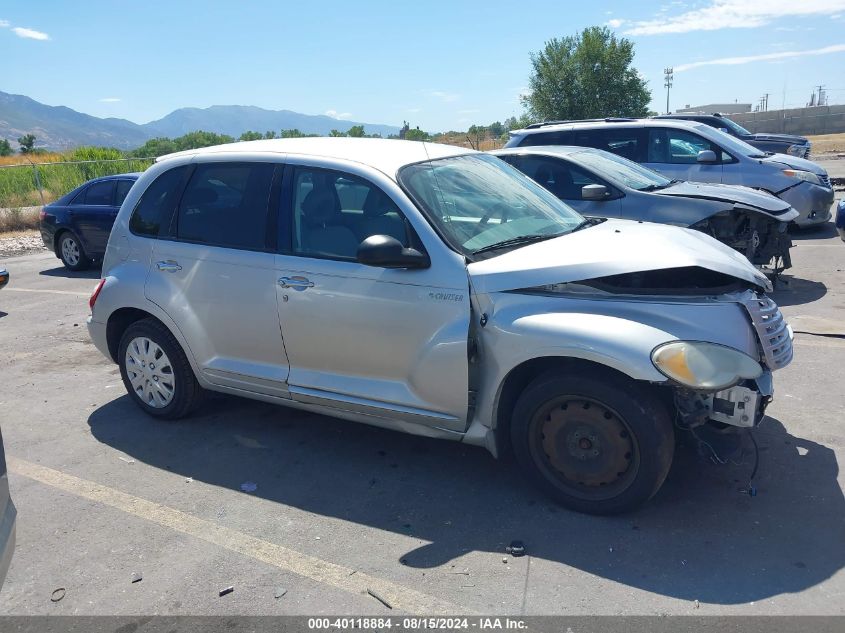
point(386, 155)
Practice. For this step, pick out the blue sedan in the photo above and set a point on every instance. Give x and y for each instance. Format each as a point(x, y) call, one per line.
point(840, 219)
point(76, 227)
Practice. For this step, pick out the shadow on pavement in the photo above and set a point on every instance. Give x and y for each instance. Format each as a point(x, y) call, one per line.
point(792, 291)
point(61, 271)
point(699, 538)
point(818, 232)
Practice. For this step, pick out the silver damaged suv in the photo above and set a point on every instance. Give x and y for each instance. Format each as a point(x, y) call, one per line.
point(437, 291)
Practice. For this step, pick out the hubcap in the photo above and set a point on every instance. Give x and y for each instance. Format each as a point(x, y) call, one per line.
point(150, 372)
point(70, 251)
point(585, 447)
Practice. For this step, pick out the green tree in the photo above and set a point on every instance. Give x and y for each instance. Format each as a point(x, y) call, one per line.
point(356, 131)
point(294, 133)
point(270, 134)
point(5, 148)
point(337, 133)
point(27, 143)
point(251, 136)
point(417, 134)
point(588, 75)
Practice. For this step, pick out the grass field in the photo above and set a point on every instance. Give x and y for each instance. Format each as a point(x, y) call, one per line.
point(828, 143)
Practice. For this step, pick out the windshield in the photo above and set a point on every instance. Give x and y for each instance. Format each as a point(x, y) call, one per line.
point(478, 201)
point(736, 127)
point(731, 143)
point(621, 170)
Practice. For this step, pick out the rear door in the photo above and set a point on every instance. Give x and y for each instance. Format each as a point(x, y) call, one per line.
point(674, 153)
point(214, 274)
point(389, 344)
point(92, 215)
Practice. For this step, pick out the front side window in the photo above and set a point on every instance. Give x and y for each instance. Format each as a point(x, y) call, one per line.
point(100, 193)
point(677, 147)
point(623, 171)
point(333, 212)
point(562, 178)
point(225, 204)
point(157, 203)
point(480, 204)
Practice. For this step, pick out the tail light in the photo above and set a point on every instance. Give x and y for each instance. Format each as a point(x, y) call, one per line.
point(96, 294)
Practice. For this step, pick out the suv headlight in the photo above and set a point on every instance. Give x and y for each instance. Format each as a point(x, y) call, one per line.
point(704, 365)
point(798, 149)
point(807, 176)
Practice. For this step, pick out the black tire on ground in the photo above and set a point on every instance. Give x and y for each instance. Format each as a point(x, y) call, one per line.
point(71, 252)
point(187, 393)
point(597, 442)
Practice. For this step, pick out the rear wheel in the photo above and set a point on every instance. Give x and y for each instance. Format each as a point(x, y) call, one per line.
point(599, 444)
point(71, 252)
point(156, 372)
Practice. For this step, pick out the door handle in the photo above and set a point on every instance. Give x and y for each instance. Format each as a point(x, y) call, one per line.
point(169, 266)
point(297, 283)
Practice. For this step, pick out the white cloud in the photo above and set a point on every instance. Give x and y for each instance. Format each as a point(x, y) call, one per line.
point(443, 96)
point(615, 23)
point(733, 14)
point(4, 24)
point(414, 110)
point(736, 61)
point(30, 34)
point(338, 115)
point(109, 99)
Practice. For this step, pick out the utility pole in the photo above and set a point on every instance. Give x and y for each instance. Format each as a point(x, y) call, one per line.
point(766, 102)
point(667, 75)
point(820, 87)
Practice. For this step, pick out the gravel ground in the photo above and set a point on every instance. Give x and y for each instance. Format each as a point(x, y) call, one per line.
point(20, 243)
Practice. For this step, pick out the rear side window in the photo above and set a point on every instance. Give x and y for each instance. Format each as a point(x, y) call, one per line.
point(225, 204)
point(157, 203)
point(625, 142)
point(549, 138)
point(100, 193)
point(123, 187)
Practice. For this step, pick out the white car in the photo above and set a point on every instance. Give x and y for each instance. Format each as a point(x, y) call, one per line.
point(437, 291)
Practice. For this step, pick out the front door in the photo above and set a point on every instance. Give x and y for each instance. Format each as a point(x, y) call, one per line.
point(386, 343)
point(92, 214)
point(215, 277)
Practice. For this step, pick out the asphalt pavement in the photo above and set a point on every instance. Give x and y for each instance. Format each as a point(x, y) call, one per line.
point(304, 514)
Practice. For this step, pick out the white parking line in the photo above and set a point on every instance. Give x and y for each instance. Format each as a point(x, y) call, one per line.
point(47, 290)
point(399, 597)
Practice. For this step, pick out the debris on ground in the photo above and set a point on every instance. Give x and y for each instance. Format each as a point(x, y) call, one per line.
point(249, 486)
point(128, 460)
point(516, 549)
point(697, 604)
point(379, 598)
point(226, 591)
point(505, 560)
point(21, 244)
point(280, 591)
point(137, 577)
point(188, 480)
point(57, 594)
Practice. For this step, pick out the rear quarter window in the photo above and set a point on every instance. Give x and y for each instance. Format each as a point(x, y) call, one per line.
point(157, 203)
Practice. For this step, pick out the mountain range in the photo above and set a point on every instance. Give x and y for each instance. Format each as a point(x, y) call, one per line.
point(60, 128)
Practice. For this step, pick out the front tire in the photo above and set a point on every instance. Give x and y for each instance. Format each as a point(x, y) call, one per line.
point(597, 443)
point(71, 252)
point(156, 372)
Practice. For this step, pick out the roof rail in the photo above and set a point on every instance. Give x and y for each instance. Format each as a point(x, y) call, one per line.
point(534, 126)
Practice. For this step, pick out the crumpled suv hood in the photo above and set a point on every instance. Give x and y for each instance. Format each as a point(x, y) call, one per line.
point(730, 194)
point(613, 247)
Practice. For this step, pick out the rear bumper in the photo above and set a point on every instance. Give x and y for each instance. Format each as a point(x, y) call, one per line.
point(4, 277)
point(840, 219)
point(812, 202)
point(7, 535)
point(97, 332)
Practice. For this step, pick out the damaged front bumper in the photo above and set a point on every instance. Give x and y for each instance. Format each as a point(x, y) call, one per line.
point(742, 406)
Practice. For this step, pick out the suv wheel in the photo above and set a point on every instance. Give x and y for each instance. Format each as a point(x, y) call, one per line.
point(156, 372)
point(71, 252)
point(596, 444)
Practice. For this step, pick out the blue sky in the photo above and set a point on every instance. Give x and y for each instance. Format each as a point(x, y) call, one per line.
point(438, 64)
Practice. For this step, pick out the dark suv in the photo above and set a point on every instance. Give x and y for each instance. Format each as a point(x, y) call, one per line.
point(775, 143)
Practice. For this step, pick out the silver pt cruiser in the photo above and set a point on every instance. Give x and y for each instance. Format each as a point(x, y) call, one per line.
point(436, 291)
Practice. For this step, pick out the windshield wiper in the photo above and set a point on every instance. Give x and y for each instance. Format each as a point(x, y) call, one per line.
point(513, 241)
point(657, 187)
point(587, 222)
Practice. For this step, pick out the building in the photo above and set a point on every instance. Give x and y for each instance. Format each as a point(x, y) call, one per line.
point(710, 108)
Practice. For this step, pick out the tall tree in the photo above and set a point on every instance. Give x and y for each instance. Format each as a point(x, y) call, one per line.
point(27, 143)
point(356, 131)
point(5, 148)
point(588, 75)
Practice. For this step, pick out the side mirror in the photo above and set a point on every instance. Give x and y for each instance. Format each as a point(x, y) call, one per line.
point(594, 192)
point(385, 251)
point(707, 156)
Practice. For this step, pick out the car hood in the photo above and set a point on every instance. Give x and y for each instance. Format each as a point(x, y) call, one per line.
point(794, 162)
point(780, 138)
point(732, 194)
point(613, 247)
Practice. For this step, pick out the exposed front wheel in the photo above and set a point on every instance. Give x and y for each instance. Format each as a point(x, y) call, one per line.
point(599, 444)
point(71, 252)
point(156, 372)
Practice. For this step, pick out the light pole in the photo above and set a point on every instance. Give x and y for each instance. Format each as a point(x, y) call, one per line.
point(667, 75)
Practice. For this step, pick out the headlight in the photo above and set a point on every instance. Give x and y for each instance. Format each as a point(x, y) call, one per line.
point(803, 175)
point(798, 150)
point(704, 365)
